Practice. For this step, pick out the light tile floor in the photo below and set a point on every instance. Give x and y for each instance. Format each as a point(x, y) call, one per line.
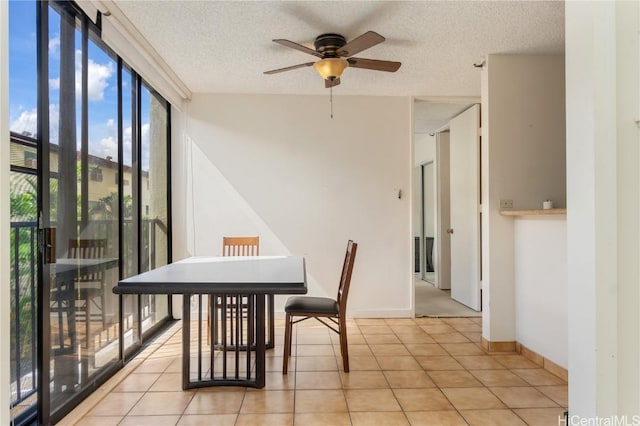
point(422, 371)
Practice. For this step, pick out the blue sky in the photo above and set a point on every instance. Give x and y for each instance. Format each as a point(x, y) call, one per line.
point(102, 87)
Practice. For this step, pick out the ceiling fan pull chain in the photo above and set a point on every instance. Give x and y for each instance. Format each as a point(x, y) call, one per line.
point(331, 100)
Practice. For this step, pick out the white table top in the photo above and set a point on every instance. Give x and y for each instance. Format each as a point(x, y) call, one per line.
point(241, 275)
point(69, 267)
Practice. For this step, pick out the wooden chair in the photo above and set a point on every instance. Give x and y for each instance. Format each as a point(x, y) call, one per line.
point(323, 307)
point(245, 246)
point(90, 287)
point(241, 246)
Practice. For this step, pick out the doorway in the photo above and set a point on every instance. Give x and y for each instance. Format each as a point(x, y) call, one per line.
point(432, 218)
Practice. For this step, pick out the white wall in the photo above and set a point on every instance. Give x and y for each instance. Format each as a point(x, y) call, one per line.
point(523, 158)
point(424, 148)
point(5, 397)
point(540, 246)
point(603, 217)
point(280, 167)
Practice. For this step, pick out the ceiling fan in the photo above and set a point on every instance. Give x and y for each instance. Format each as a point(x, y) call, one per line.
point(336, 54)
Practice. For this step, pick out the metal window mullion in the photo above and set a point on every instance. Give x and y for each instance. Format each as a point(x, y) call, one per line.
point(84, 135)
point(137, 169)
point(120, 207)
point(135, 189)
point(43, 200)
point(169, 212)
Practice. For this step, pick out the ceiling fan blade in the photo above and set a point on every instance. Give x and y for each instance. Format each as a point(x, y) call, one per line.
point(297, 46)
point(358, 44)
point(374, 64)
point(293, 67)
point(331, 83)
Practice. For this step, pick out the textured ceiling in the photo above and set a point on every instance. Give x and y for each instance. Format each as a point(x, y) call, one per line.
point(224, 47)
point(430, 116)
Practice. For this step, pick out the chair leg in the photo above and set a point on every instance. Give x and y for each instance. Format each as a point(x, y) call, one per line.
point(87, 320)
point(343, 345)
point(287, 344)
point(102, 305)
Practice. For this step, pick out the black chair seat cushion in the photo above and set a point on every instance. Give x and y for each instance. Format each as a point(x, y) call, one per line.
point(311, 305)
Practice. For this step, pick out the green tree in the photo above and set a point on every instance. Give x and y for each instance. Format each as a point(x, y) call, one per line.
point(107, 207)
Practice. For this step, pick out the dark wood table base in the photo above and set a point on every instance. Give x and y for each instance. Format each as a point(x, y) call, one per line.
point(230, 306)
point(225, 361)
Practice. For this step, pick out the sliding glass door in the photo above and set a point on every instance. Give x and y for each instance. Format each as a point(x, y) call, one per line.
point(79, 212)
point(80, 316)
point(89, 206)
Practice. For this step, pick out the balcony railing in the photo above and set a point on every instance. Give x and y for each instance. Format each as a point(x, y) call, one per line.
point(23, 311)
point(24, 341)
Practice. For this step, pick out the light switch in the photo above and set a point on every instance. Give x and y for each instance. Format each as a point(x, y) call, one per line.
point(506, 204)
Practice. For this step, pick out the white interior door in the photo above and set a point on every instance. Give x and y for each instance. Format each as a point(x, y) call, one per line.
point(465, 206)
point(443, 239)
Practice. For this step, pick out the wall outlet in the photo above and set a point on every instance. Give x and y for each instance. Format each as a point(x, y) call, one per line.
point(506, 204)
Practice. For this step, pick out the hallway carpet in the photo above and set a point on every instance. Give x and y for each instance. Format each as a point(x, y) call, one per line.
point(433, 302)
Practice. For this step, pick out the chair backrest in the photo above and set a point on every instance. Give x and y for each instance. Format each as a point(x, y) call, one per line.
point(345, 278)
point(88, 249)
point(241, 246)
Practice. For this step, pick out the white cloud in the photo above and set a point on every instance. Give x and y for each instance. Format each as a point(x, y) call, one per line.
point(54, 83)
point(126, 146)
point(98, 75)
point(108, 148)
point(108, 145)
point(145, 133)
point(54, 45)
point(144, 139)
point(54, 123)
point(26, 124)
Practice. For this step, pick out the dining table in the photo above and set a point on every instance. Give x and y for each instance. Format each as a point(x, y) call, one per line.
point(72, 362)
point(240, 358)
point(64, 293)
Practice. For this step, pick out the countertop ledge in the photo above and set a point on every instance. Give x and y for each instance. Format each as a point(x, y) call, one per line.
point(534, 212)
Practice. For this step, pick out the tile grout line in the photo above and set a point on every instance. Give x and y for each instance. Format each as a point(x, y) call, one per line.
point(397, 333)
point(427, 373)
point(112, 386)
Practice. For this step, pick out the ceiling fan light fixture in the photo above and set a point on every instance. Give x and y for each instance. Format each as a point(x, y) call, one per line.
point(331, 68)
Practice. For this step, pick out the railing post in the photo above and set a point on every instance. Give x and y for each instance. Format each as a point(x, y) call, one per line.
point(16, 272)
point(19, 229)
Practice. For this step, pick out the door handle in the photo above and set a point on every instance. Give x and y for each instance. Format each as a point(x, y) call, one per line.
point(49, 245)
point(449, 230)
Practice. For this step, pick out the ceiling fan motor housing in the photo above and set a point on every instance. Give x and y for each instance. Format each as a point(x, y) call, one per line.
point(336, 54)
point(327, 44)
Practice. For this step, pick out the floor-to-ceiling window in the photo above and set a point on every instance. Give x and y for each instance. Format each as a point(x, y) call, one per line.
point(23, 196)
point(154, 202)
point(89, 179)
